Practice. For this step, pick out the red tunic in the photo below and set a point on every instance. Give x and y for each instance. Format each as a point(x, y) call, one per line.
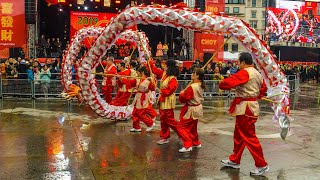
point(123, 94)
point(172, 85)
point(143, 110)
point(166, 101)
point(109, 82)
point(143, 91)
point(185, 97)
point(241, 77)
point(244, 132)
point(125, 72)
point(112, 69)
point(187, 128)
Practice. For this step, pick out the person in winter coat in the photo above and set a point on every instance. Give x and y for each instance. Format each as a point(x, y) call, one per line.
point(45, 76)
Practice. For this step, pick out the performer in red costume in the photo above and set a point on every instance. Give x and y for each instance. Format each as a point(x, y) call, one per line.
point(167, 98)
point(249, 87)
point(191, 111)
point(109, 81)
point(142, 101)
point(123, 94)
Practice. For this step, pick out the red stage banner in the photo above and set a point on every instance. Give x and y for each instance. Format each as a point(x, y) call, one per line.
point(207, 43)
point(215, 6)
point(79, 20)
point(12, 31)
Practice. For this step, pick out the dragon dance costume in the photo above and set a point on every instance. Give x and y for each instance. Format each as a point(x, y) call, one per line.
point(249, 86)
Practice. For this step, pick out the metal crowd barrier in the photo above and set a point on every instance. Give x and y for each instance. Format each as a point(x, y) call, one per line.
point(38, 89)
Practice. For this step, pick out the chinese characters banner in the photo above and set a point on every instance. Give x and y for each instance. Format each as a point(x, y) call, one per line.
point(12, 27)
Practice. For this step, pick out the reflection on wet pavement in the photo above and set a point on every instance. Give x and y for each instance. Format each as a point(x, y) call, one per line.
point(51, 139)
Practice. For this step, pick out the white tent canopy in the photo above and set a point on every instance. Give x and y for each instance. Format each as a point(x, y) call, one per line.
point(230, 56)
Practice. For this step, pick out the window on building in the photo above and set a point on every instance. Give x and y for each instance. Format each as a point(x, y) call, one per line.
point(253, 14)
point(253, 23)
point(226, 9)
point(234, 1)
point(235, 9)
point(234, 47)
point(226, 47)
point(264, 14)
point(254, 3)
point(264, 3)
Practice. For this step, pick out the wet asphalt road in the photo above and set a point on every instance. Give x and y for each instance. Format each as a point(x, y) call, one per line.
point(47, 139)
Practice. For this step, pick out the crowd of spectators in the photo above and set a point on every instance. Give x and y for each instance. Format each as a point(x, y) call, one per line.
point(301, 38)
point(309, 21)
point(51, 47)
point(213, 71)
point(307, 73)
point(31, 69)
point(42, 74)
point(54, 47)
point(20, 72)
point(122, 50)
point(308, 29)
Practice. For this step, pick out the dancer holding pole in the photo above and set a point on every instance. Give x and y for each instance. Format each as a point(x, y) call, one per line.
point(190, 113)
point(142, 100)
point(249, 87)
point(123, 94)
point(109, 82)
point(167, 98)
point(192, 110)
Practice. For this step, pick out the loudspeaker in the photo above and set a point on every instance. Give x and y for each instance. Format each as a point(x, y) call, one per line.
point(30, 11)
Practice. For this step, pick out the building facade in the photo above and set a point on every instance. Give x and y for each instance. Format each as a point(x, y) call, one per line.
point(251, 11)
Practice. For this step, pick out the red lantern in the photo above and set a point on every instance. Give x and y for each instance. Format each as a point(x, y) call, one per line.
point(52, 2)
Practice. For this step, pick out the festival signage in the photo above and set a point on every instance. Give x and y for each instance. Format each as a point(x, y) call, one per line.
point(209, 43)
point(12, 31)
point(215, 6)
point(79, 20)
